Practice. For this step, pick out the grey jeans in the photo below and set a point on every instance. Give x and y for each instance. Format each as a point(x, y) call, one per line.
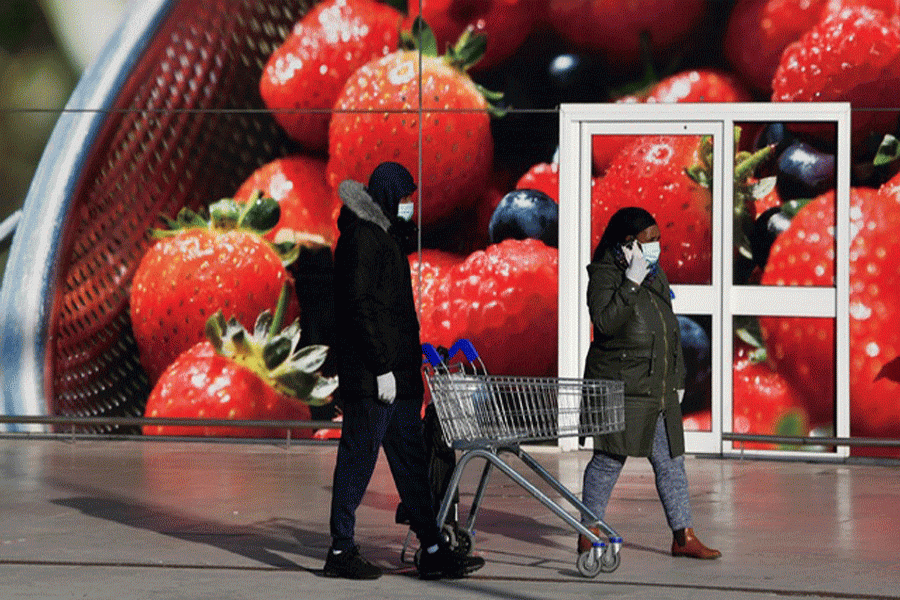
point(603, 470)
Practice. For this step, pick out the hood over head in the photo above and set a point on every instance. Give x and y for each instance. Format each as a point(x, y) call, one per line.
point(389, 183)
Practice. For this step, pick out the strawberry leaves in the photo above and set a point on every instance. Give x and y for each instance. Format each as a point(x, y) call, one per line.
point(274, 354)
point(259, 215)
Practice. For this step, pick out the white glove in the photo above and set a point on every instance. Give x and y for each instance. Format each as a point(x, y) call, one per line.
point(637, 266)
point(387, 387)
point(680, 396)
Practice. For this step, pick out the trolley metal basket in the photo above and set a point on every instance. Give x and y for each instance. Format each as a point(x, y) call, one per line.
point(485, 415)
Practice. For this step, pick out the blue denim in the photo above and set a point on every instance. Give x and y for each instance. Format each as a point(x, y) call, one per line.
point(369, 425)
point(603, 470)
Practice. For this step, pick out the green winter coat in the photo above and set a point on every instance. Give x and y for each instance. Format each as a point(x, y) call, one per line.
point(636, 340)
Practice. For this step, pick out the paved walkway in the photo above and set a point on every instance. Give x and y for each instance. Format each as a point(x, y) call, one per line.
point(135, 520)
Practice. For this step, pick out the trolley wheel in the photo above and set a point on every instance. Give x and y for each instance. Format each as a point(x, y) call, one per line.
point(596, 560)
point(464, 543)
point(609, 560)
point(448, 534)
point(589, 563)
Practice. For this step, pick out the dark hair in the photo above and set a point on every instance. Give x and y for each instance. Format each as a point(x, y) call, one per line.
point(388, 184)
point(628, 221)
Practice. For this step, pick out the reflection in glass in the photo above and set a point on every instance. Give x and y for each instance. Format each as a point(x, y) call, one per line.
point(670, 176)
point(783, 378)
point(784, 204)
point(695, 344)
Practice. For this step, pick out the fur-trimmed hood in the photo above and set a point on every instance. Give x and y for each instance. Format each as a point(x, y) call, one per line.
point(354, 196)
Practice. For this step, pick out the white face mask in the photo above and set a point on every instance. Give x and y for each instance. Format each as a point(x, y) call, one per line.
point(405, 210)
point(651, 252)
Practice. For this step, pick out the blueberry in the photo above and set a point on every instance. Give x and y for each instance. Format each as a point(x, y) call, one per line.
point(804, 172)
point(525, 214)
point(695, 346)
point(774, 133)
point(576, 78)
point(768, 226)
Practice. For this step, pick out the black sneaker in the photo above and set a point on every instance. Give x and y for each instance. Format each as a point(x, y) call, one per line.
point(446, 564)
point(349, 564)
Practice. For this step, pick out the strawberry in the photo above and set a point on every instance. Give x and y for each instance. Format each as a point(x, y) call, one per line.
point(543, 177)
point(800, 347)
point(501, 298)
point(303, 77)
point(804, 254)
point(758, 31)
point(198, 267)
point(888, 7)
point(241, 375)
point(698, 85)
point(695, 85)
point(605, 148)
point(698, 421)
point(803, 349)
point(667, 175)
point(428, 275)
point(874, 314)
point(764, 402)
point(851, 56)
point(614, 28)
point(309, 209)
point(376, 118)
point(506, 23)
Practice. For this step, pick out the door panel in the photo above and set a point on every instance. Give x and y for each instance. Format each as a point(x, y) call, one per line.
point(722, 292)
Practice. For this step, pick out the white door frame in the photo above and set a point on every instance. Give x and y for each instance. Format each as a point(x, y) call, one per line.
point(577, 123)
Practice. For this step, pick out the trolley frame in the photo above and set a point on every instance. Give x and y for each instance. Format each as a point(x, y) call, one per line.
point(485, 416)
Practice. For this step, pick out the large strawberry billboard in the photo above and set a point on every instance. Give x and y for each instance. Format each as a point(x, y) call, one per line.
point(476, 120)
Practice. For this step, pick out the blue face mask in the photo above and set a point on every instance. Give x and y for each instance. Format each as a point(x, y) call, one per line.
point(405, 210)
point(651, 252)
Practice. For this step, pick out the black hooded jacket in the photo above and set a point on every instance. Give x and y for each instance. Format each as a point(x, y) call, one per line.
point(375, 313)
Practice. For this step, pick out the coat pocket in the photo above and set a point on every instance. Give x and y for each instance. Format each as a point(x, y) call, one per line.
point(635, 368)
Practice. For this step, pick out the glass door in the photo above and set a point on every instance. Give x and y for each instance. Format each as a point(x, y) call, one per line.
point(765, 340)
point(668, 168)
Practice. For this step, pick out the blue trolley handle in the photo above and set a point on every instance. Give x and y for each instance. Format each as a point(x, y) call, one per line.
point(431, 355)
point(466, 347)
point(463, 345)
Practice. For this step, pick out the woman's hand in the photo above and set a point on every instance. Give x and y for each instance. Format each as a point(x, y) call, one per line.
point(637, 267)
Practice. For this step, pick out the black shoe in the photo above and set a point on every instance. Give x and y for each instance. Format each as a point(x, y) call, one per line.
point(446, 564)
point(349, 565)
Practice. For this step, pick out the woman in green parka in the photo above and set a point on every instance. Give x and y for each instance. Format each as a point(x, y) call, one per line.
point(636, 340)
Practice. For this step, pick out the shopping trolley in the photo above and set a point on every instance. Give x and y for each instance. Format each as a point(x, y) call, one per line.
point(484, 416)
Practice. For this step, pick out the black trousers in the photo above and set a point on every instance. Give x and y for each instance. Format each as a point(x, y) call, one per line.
point(367, 426)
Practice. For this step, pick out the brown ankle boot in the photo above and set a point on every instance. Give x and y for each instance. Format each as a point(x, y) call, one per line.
point(685, 543)
point(584, 543)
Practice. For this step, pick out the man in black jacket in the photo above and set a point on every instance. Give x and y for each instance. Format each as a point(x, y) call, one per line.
point(379, 360)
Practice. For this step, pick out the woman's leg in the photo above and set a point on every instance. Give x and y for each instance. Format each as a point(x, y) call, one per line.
point(671, 480)
point(672, 485)
point(600, 477)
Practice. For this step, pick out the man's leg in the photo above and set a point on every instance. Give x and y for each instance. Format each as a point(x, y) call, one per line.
point(364, 423)
point(404, 446)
